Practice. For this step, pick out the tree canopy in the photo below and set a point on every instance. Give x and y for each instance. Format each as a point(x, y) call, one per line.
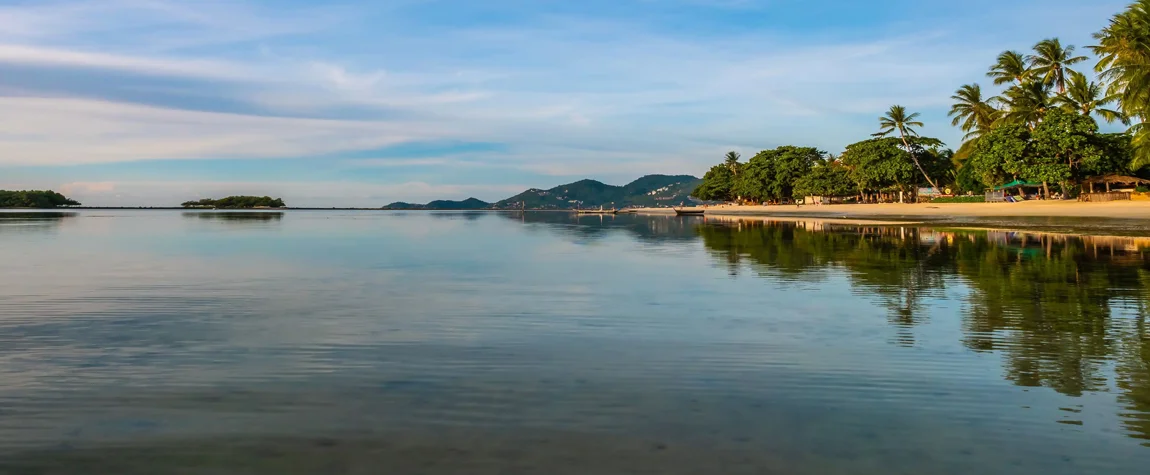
point(34, 199)
point(1039, 124)
point(236, 202)
point(770, 175)
point(716, 185)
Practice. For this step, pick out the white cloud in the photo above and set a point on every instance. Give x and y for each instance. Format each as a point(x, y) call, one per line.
point(566, 96)
point(194, 68)
point(54, 131)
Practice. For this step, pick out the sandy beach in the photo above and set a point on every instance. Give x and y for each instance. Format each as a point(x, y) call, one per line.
point(1139, 210)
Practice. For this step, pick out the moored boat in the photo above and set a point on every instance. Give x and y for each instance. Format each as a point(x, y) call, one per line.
point(689, 211)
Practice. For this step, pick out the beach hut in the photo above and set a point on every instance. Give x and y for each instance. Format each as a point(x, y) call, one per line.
point(1000, 192)
point(1107, 181)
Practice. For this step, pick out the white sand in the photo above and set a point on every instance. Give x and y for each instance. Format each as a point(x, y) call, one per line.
point(1113, 209)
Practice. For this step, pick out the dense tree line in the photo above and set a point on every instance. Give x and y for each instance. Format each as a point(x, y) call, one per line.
point(1041, 128)
point(236, 202)
point(34, 199)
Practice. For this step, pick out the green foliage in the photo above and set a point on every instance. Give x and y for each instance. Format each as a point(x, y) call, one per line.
point(1123, 53)
point(1051, 61)
point(1117, 153)
point(1087, 97)
point(830, 178)
point(716, 185)
point(960, 199)
point(998, 156)
point(897, 120)
point(236, 202)
point(1064, 148)
point(966, 180)
point(1010, 67)
point(731, 159)
point(34, 199)
point(879, 164)
point(771, 175)
point(1064, 144)
point(1027, 103)
point(975, 113)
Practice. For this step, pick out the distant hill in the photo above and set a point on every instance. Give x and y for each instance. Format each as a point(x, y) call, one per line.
point(649, 191)
point(470, 203)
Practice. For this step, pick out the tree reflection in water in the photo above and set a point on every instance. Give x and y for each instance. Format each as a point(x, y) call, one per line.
point(1064, 312)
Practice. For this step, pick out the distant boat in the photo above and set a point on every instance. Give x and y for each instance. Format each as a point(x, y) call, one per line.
point(689, 211)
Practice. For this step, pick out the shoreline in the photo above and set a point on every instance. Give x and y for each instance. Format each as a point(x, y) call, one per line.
point(1118, 219)
point(1133, 210)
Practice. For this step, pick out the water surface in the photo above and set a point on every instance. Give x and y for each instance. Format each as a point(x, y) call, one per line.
point(141, 342)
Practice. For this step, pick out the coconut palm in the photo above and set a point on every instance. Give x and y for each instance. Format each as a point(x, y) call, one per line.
point(1027, 103)
point(1123, 52)
point(1051, 60)
point(970, 109)
point(1010, 67)
point(731, 160)
point(1087, 97)
point(896, 119)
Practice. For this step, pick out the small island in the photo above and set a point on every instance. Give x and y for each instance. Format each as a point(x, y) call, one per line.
point(236, 202)
point(43, 199)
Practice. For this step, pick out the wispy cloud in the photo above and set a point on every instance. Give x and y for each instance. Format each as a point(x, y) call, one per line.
point(610, 88)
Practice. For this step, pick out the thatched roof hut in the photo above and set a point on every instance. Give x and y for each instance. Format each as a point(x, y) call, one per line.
point(1114, 179)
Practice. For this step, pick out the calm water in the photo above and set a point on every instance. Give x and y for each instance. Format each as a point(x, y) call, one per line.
point(144, 342)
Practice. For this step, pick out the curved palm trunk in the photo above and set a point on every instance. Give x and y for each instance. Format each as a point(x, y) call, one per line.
point(915, 159)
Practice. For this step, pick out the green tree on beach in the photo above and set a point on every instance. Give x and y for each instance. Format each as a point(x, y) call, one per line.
point(1087, 97)
point(1123, 52)
point(770, 175)
point(1040, 126)
point(879, 164)
point(1027, 103)
point(717, 184)
point(897, 120)
point(1010, 67)
point(975, 114)
point(827, 178)
point(732, 161)
point(1051, 61)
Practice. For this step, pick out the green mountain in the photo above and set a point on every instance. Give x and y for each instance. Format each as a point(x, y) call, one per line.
point(470, 203)
point(649, 191)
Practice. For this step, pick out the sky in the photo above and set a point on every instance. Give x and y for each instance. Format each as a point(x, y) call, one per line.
point(155, 102)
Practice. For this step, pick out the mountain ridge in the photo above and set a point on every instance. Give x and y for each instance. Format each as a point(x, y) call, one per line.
point(647, 191)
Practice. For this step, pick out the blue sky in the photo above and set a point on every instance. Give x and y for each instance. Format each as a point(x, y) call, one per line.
point(152, 102)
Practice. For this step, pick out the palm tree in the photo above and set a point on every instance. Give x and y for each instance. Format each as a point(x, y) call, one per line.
point(1123, 52)
point(977, 115)
point(896, 119)
point(732, 161)
point(1026, 103)
point(1087, 97)
point(1051, 60)
point(1011, 66)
